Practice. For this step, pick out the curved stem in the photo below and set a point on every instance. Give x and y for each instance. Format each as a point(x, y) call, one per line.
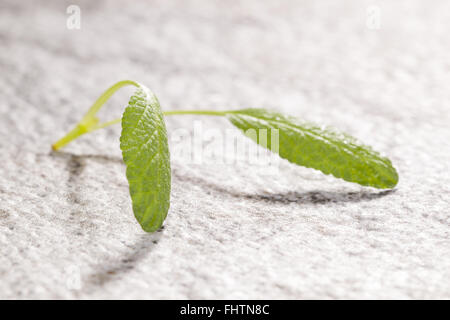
point(168, 113)
point(90, 122)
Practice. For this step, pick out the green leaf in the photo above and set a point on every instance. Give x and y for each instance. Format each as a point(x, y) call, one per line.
point(323, 149)
point(145, 152)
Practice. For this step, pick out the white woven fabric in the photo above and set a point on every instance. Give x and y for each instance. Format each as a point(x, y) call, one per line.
point(238, 231)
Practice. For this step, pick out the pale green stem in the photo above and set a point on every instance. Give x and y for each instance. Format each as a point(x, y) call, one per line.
point(89, 122)
point(106, 124)
point(106, 95)
point(72, 135)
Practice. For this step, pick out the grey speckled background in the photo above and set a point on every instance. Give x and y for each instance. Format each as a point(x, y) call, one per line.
point(239, 231)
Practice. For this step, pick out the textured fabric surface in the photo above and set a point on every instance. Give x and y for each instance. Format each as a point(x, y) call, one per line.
point(67, 229)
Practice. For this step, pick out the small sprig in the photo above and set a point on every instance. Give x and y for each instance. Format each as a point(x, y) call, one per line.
point(145, 149)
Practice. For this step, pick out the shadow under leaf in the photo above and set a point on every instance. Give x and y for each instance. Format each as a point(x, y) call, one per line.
point(76, 157)
point(116, 268)
point(311, 197)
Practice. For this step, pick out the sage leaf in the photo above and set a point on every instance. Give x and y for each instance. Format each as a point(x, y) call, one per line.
point(145, 151)
point(323, 149)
